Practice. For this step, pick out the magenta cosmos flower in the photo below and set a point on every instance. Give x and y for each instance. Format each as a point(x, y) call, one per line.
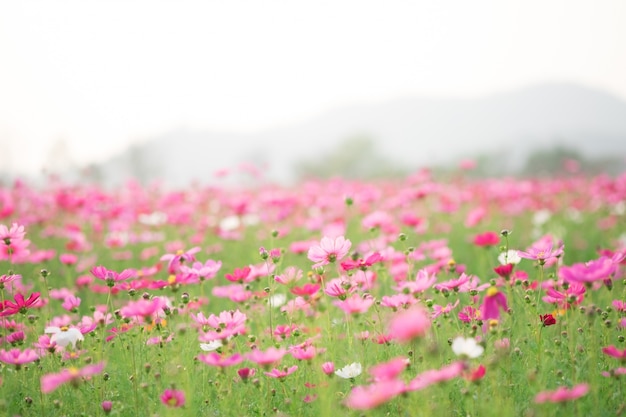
point(51, 382)
point(173, 398)
point(329, 250)
point(19, 304)
point(110, 276)
point(562, 394)
point(615, 352)
point(597, 270)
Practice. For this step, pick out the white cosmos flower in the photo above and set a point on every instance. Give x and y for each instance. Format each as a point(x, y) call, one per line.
point(211, 346)
point(509, 257)
point(64, 336)
point(277, 300)
point(350, 371)
point(467, 347)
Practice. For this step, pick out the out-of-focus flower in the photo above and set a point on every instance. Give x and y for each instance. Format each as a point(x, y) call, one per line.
point(409, 324)
point(562, 394)
point(467, 347)
point(50, 382)
point(350, 371)
point(173, 398)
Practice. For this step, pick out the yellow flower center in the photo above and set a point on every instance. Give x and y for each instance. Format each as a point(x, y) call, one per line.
point(171, 279)
point(179, 252)
point(64, 328)
point(492, 291)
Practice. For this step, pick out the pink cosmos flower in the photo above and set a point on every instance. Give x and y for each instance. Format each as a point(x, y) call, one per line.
point(361, 263)
point(246, 373)
point(329, 250)
point(469, 314)
point(110, 276)
point(574, 294)
point(240, 275)
point(493, 302)
point(217, 360)
point(281, 374)
point(597, 270)
point(17, 357)
point(562, 394)
point(307, 289)
point(371, 396)
point(51, 382)
point(176, 260)
point(453, 284)
point(389, 370)
point(305, 352)
point(204, 271)
point(71, 303)
point(68, 258)
point(12, 242)
point(339, 288)
point(423, 281)
point(173, 398)
point(266, 358)
point(615, 352)
point(328, 368)
point(146, 309)
point(355, 304)
point(409, 324)
point(398, 301)
point(542, 251)
point(290, 274)
point(434, 376)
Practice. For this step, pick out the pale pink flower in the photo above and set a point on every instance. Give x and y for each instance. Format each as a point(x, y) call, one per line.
point(434, 376)
point(562, 394)
point(371, 396)
point(409, 324)
point(329, 250)
point(217, 360)
point(281, 374)
point(328, 368)
point(390, 369)
point(71, 303)
point(542, 251)
point(51, 382)
point(355, 304)
point(266, 358)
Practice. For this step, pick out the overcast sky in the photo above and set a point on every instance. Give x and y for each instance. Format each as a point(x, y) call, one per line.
point(101, 74)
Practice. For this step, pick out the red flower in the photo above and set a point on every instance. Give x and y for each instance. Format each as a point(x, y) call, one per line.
point(475, 374)
point(504, 270)
point(547, 320)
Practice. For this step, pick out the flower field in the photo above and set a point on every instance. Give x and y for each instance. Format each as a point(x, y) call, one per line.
point(417, 296)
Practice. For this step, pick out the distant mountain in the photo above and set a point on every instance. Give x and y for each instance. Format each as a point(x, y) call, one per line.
point(410, 131)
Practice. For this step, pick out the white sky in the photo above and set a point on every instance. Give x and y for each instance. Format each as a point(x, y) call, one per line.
point(100, 74)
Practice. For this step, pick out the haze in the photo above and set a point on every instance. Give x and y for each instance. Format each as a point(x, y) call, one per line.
point(101, 75)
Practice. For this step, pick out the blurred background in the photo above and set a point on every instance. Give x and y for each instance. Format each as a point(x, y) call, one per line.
point(282, 90)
